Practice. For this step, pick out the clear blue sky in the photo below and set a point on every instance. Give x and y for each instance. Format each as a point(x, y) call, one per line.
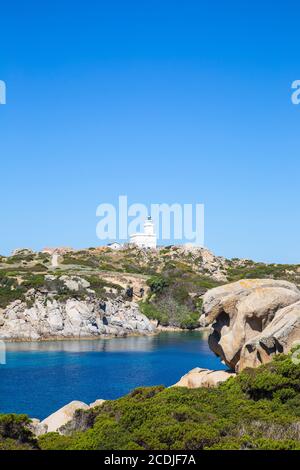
point(165, 101)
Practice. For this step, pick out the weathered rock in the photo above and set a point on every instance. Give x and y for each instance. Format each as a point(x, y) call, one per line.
point(75, 283)
point(279, 336)
point(98, 402)
point(73, 318)
point(204, 259)
point(252, 320)
point(69, 283)
point(204, 378)
point(63, 416)
point(36, 427)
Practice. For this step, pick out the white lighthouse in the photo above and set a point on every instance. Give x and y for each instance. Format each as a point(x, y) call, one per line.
point(147, 239)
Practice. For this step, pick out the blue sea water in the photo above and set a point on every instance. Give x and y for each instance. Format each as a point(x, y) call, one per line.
point(40, 377)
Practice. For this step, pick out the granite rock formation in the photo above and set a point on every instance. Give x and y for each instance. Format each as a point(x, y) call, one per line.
point(252, 320)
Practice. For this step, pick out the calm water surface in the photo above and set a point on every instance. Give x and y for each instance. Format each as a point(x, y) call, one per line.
point(39, 378)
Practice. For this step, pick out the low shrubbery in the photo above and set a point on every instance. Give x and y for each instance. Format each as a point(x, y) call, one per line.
point(15, 285)
point(10, 290)
point(246, 412)
point(175, 297)
point(252, 270)
point(15, 433)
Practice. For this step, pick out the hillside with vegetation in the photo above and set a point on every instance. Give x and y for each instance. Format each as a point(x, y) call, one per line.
point(168, 283)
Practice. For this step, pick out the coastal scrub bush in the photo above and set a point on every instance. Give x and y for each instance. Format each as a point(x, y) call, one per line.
point(157, 283)
point(242, 413)
point(10, 290)
point(278, 380)
point(252, 270)
point(176, 299)
point(15, 432)
point(53, 440)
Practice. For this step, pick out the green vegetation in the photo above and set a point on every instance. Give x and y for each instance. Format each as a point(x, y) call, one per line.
point(15, 434)
point(175, 296)
point(157, 284)
point(14, 285)
point(81, 261)
point(259, 409)
point(251, 270)
point(9, 290)
point(177, 278)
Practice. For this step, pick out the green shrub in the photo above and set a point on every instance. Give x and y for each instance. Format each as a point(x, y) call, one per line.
point(157, 284)
point(14, 432)
point(227, 417)
point(54, 441)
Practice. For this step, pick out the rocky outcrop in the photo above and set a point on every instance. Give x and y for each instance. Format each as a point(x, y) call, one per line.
point(63, 416)
point(204, 378)
point(252, 320)
point(279, 336)
point(52, 316)
point(206, 261)
point(65, 419)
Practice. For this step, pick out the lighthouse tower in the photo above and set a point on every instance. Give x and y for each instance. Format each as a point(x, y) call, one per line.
point(149, 227)
point(148, 238)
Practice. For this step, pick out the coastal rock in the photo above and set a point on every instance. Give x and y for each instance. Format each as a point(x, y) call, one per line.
point(98, 402)
point(63, 416)
point(64, 419)
point(37, 428)
point(252, 320)
point(72, 318)
point(281, 335)
point(199, 377)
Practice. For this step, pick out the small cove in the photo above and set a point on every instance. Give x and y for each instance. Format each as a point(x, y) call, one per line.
point(40, 377)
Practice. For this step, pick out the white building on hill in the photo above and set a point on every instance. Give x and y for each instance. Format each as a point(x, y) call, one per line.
point(147, 239)
point(115, 246)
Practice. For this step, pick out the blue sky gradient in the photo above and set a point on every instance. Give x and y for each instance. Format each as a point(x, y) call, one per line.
point(163, 101)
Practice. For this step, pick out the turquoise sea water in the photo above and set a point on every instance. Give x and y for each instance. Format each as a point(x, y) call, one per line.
point(40, 377)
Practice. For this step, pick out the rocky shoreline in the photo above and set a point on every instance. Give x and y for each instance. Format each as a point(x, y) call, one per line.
point(70, 309)
point(74, 319)
point(80, 338)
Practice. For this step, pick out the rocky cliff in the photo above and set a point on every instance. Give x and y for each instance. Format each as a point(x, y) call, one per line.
point(69, 308)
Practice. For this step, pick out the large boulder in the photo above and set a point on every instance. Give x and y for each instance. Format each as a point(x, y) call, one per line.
point(62, 416)
point(207, 378)
point(64, 419)
point(252, 320)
